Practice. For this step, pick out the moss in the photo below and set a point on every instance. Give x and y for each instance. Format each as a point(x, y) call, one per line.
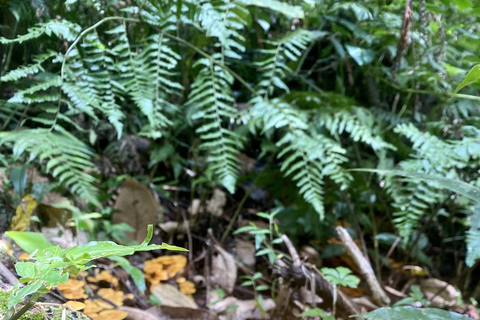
point(53, 312)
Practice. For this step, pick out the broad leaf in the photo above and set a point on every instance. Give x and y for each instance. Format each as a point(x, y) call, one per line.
point(458, 186)
point(29, 241)
point(402, 313)
point(472, 76)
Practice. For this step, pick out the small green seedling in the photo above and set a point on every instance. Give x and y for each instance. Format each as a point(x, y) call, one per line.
point(54, 265)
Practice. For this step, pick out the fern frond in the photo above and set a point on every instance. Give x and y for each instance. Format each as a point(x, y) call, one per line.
point(357, 122)
point(225, 22)
point(310, 159)
point(278, 6)
point(147, 78)
point(63, 155)
point(275, 114)
point(61, 28)
point(212, 100)
point(25, 71)
point(428, 147)
point(274, 68)
point(89, 84)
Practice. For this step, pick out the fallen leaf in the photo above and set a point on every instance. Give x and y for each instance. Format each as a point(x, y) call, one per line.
point(245, 251)
point(217, 202)
point(440, 293)
point(224, 270)
point(138, 314)
point(138, 208)
point(175, 313)
point(171, 296)
point(21, 220)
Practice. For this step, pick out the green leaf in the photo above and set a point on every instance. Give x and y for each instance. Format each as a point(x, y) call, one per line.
point(341, 276)
point(279, 6)
point(19, 179)
point(402, 313)
point(136, 273)
point(464, 4)
point(472, 76)
point(18, 295)
point(458, 186)
point(29, 241)
point(317, 313)
point(360, 55)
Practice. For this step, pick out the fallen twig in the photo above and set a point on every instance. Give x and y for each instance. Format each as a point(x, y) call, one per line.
point(378, 294)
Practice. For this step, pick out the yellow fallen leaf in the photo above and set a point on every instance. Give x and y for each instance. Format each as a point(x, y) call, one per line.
point(21, 220)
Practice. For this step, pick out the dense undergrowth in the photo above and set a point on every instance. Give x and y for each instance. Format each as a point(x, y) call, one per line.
point(273, 101)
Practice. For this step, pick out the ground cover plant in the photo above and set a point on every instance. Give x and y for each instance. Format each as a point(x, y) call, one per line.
point(286, 140)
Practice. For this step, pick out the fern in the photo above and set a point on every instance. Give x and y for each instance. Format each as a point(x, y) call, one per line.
point(225, 22)
point(146, 78)
point(65, 157)
point(309, 159)
point(274, 67)
point(412, 198)
point(357, 122)
point(62, 28)
point(89, 84)
point(212, 100)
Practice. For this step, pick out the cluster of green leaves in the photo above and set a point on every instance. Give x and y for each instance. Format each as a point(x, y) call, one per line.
point(53, 265)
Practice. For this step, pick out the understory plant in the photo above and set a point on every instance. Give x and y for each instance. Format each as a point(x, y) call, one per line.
point(52, 265)
point(176, 92)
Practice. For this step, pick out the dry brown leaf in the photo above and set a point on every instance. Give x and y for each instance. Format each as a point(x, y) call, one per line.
point(138, 314)
point(138, 208)
point(224, 270)
point(50, 215)
point(21, 220)
point(440, 293)
point(170, 296)
point(180, 313)
point(245, 309)
point(217, 202)
point(245, 251)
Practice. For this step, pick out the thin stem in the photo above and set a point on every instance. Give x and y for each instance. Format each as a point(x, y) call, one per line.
point(25, 308)
point(237, 212)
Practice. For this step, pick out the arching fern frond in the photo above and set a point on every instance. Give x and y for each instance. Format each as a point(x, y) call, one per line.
point(274, 67)
point(147, 78)
point(357, 122)
point(275, 114)
point(63, 156)
point(89, 84)
point(310, 159)
point(63, 28)
point(212, 100)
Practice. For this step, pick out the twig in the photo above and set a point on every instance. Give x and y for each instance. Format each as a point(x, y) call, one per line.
point(378, 295)
point(293, 252)
point(7, 274)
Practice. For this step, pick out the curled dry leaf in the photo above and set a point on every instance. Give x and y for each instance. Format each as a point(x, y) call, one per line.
point(440, 293)
point(137, 207)
point(224, 270)
point(171, 296)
